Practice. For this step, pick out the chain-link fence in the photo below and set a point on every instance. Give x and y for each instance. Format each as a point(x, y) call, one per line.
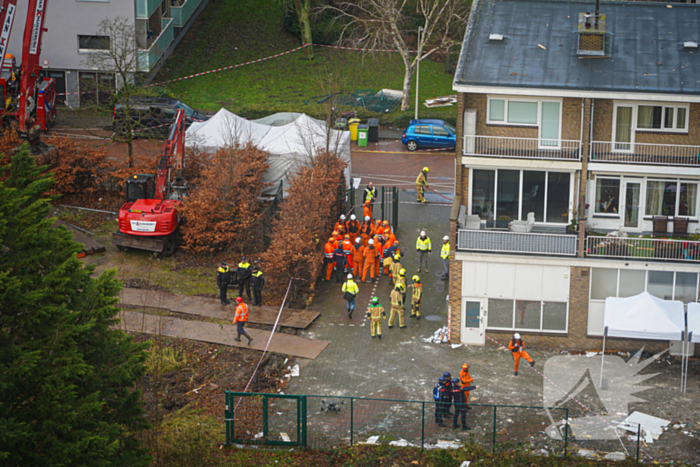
point(323, 422)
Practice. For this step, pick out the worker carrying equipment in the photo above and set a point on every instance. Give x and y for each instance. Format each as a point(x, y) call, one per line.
point(374, 314)
point(517, 349)
point(416, 297)
point(421, 185)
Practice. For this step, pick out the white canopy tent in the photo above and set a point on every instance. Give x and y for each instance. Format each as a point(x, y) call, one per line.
point(289, 139)
point(694, 322)
point(642, 316)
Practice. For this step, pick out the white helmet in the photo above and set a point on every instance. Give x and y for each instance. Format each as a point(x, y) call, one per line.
point(352, 218)
point(446, 238)
point(358, 240)
point(342, 217)
point(516, 336)
point(366, 218)
point(371, 242)
point(349, 276)
point(422, 233)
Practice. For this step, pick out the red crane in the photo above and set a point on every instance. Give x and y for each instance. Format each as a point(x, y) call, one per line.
point(28, 99)
point(150, 218)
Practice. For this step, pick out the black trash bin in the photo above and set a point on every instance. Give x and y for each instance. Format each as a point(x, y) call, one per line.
point(373, 134)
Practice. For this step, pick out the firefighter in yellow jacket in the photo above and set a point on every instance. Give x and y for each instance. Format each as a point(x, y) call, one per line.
point(422, 184)
point(395, 268)
point(416, 297)
point(397, 307)
point(374, 314)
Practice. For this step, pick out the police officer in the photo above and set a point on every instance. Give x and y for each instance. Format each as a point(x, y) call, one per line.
point(223, 276)
point(447, 402)
point(244, 274)
point(258, 281)
point(438, 397)
point(459, 400)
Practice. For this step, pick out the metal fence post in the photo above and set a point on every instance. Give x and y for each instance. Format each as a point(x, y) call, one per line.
point(639, 432)
point(264, 414)
point(494, 428)
point(383, 202)
point(422, 427)
point(303, 420)
point(566, 432)
point(395, 209)
point(227, 417)
point(352, 419)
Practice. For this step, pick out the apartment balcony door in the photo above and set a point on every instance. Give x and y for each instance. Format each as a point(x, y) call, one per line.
point(632, 205)
point(623, 130)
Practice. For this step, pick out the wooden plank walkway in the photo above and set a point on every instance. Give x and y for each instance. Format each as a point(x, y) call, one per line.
point(211, 308)
point(214, 333)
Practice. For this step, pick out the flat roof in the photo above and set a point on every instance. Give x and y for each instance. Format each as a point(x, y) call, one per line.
point(645, 52)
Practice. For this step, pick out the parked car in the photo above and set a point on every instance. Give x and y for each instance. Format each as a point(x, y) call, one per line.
point(429, 133)
point(149, 112)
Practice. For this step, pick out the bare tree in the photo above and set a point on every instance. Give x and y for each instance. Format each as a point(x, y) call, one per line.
point(302, 10)
point(383, 24)
point(117, 55)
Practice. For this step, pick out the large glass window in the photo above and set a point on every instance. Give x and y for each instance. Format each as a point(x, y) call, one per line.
point(527, 314)
point(661, 117)
point(497, 110)
point(688, 199)
point(558, 185)
point(522, 112)
point(500, 313)
point(662, 197)
point(483, 182)
point(533, 193)
point(549, 128)
point(631, 282)
point(686, 287)
point(554, 316)
point(508, 195)
point(660, 284)
point(603, 283)
point(544, 193)
point(607, 195)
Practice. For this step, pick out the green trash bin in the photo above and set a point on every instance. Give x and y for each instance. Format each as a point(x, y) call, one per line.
point(352, 126)
point(362, 135)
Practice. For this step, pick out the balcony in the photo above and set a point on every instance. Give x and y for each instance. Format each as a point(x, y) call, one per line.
point(522, 148)
point(644, 153)
point(654, 249)
point(181, 11)
point(493, 241)
point(148, 58)
point(145, 8)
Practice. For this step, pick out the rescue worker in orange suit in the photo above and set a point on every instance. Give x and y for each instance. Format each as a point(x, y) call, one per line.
point(378, 227)
point(336, 242)
point(375, 313)
point(517, 349)
point(366, 230)
point(339, 259)
point(346, 245)
point(358, 259)
point(380, 254)
point(340, 225)
point(416, 297)
point(466, 379)
point(328, 257)
point(395, 269)
point(240, 319)
point(353, 228)
point(397, 308)
point(370, 255)
point(367, 209)
point(421, 185)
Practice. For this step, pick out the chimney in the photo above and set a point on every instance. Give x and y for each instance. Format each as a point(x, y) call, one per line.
point(591, 34)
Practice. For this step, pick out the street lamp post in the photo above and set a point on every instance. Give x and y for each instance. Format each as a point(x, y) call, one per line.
point(420, 29)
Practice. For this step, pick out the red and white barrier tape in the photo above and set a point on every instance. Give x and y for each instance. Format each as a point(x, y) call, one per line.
point(571, 397)
point(359, 49)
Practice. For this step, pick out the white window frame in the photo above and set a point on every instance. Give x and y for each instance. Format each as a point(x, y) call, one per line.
point(538, 125)
point(619, 196)
point(521, 215)
point(519, 329)
point(646, 282)
point(678, 181)
point(635, 107)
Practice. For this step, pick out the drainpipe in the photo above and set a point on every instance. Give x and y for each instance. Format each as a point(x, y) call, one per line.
point(583, 187)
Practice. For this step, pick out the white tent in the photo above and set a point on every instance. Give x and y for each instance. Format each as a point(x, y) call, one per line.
point(694, 322)
point(289, 145)
point(642, 316)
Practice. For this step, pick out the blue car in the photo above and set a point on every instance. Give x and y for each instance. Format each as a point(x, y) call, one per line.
point(429, 133)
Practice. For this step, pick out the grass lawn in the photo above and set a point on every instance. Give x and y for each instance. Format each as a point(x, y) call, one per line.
point(229, 32)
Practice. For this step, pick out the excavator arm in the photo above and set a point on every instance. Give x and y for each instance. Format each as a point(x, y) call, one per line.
point(173, 159)
point(7, 17)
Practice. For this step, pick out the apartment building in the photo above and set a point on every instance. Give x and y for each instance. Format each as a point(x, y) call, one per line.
point(578, 166)
point(73, 34)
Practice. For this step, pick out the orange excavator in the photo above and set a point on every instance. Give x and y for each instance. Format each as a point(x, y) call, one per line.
point(28, 100)
point(151, 217)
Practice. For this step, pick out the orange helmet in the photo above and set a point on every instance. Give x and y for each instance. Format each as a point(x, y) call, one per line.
point(335, 233)
point(385, 222)
point(396, 242)
point(347, 236)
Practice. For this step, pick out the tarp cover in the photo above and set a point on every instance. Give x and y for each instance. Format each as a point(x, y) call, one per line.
point(289, 139)
point(644, 316)
point(694, 322)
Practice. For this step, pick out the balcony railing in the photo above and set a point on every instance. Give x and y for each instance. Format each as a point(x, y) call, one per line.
point(644, 153)
point(145, 8)
point(517, 242)
point(643, 248)
point(522, 148)
point(148, 58)
point(181, 11)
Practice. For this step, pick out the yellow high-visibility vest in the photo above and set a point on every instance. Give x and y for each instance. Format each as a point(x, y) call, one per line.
point(423, 245)
point(445, 251)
